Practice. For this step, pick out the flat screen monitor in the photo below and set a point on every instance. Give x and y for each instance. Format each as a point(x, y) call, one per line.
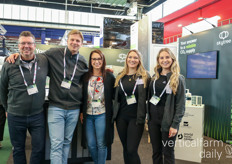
point(202, 65)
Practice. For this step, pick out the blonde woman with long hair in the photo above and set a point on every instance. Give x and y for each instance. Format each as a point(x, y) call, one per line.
point(166, 96)
point(131, 90)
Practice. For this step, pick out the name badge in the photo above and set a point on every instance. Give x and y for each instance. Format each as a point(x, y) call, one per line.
point(66, 84)
point(131, 99)
point(168, 90)
point(96, 103)
point(154, 100)
point(32, 89)
point(139, 81)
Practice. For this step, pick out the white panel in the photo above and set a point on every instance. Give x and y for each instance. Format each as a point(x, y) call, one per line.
point(70, 17)
point(84, 18)
point(15, 12)
point(23, 12)
point(171, 6)
point(99, 20)
point(77, 18)
point(156, 13)
point(7, 11)
point(32, 13)
point(55, 15)
point(61, 16)
point(1, 10)
point(47, 15)
point(39, 14)
point(92, 19)
point(134, 33)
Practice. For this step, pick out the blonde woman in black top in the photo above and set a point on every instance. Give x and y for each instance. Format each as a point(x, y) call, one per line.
point(131, 89)
point(166, 106)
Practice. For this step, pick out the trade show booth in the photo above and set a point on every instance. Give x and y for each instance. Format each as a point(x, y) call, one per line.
point(205, 61)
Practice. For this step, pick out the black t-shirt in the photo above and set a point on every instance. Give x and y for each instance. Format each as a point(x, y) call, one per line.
point(157, 111)
point(128, 83)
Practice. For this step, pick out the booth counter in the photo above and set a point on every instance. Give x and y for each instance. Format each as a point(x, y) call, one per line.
point(189, 142)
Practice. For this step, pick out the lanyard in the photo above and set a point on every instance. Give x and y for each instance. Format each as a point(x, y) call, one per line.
point(34, 77)
point(163, 89)
point(92, 94)
point(133, 89)
point(74, 71)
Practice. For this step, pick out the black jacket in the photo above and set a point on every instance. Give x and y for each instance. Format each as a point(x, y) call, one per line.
point(174, 106)
point(108, 94)
point(14, 96)
point(142, 98)
point(59, 96)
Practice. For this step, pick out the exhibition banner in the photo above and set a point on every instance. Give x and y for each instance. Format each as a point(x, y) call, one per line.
point(216, 92)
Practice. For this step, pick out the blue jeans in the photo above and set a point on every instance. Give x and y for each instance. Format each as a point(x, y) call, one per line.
point(95, 134)
point(61, 125)
point(18, 126)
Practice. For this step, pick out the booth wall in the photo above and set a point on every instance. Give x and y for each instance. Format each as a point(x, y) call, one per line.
point(216, 93)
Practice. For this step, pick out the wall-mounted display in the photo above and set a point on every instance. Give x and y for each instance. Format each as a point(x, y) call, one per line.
point(202, 65)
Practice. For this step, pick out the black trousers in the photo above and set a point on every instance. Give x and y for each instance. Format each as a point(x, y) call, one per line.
point(2, 122)
point(163, 147)
point(130, 135)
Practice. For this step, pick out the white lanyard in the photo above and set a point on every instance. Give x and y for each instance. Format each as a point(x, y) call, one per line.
point(74, 71)
point(163, 89)
point(34, 77)
point(92, 94)
point(133, 89)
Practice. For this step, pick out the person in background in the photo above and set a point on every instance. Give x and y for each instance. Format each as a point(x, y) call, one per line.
point(66, 68)
point(98, 87)
point(131, 92)
point(22, 94)
point(166, 106)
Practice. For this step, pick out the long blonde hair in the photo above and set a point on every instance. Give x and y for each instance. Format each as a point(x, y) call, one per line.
point(141, 71)
point(175, 69)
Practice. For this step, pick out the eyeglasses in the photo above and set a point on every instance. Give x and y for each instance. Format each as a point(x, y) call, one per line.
point(95, 59)
point(28, 43)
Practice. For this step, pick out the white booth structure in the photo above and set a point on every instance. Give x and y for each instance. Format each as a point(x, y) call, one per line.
point(189, 142)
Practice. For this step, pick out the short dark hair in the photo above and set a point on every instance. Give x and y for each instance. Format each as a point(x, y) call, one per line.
point(27, 34)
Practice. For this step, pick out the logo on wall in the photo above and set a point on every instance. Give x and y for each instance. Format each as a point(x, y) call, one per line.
point(180, 136)
point(223, 35)
point(121, 57)
point(186, 123)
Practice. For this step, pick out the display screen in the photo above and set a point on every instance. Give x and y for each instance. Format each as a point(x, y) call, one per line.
point(202, 65)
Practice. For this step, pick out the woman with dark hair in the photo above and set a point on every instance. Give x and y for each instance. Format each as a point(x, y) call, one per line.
point(131, 90)
point(166, 106)
point(97, 111)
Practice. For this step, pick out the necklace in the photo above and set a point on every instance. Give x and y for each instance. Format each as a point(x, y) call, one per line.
point(130, 77)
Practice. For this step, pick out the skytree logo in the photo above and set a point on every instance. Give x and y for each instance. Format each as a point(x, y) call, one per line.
point(122, 58)
point(223, 35)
